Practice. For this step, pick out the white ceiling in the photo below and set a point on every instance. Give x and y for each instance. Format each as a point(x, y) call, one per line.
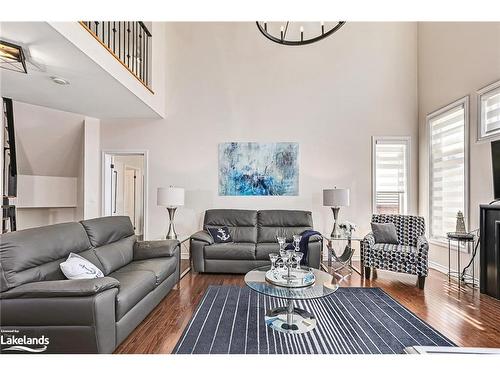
point(92, 90)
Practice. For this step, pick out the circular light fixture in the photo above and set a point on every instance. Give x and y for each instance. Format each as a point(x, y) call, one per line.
point(297, 33)
point(59, 80)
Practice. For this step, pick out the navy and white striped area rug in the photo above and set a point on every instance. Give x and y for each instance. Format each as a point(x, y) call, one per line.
point(230, 320)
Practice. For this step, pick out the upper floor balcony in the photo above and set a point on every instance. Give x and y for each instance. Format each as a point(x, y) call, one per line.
point(109, 69)
point(129, 42)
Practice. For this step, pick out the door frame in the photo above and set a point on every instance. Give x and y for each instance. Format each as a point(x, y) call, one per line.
point(118, 152)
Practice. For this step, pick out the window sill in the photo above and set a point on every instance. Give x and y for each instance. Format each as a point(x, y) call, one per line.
point(453, 245)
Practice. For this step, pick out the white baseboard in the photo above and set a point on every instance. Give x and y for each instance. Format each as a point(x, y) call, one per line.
point(438, 267)
point(444, 269)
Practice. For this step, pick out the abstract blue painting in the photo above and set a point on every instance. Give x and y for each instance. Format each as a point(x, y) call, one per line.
point(251, 168)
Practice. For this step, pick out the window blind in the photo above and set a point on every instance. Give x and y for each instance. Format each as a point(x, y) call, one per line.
point(391, 162)
point(491, 111)
point(447, 170)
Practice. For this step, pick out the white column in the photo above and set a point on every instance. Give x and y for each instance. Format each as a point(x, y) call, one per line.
point(92, 168)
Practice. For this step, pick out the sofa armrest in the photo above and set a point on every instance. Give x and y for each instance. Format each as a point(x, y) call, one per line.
point(76, 324)
point(155, 249)
point(316, 238)
point(203, 236)
point(422, 244)
point(62, 288)
point(368, 241)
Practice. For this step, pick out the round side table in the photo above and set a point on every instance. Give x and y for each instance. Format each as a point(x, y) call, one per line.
point(465, 239)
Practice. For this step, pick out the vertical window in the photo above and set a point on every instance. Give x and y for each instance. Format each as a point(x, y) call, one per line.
point(391, 165)
point(448, 167)
point(488, 110)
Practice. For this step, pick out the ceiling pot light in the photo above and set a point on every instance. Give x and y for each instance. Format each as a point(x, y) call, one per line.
point(12, 57)
point(59, 80)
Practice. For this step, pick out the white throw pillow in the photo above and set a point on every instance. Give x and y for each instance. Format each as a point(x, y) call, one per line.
point(77, 267)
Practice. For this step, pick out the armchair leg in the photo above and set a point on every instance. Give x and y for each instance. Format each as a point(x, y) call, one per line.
point(421, 282)
point(367, 272)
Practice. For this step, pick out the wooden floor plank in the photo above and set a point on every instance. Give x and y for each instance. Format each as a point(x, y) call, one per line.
point(465, 316)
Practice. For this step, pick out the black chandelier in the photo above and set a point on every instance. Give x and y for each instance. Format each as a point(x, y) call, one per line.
point(295, 34)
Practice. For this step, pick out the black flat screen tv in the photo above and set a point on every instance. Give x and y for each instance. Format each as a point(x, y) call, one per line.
point(495, 161)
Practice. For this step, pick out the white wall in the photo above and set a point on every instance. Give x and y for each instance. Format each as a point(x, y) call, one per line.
point(48, 143)
point(226, 82)
point(455, 60)
point(91, 168)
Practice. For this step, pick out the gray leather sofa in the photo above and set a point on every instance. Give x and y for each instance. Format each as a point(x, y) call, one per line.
point(83, 316)
point(254, 238)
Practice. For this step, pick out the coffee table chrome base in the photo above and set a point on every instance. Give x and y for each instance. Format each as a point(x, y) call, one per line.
point(290, 319)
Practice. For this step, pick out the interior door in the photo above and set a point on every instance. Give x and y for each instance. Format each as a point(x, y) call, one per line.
point(129, 195)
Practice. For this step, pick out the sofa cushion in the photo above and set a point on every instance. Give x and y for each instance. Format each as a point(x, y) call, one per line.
point(264, 249)
point(394, 253)
point(242, 224)
point(116, 255)
point(230, 251)
point(109, 229)
point(134, 286)
point(160, 267)
point(34, 254)
point(271, 222)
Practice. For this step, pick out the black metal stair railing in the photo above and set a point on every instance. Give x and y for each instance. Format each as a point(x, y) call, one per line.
point(129, 42)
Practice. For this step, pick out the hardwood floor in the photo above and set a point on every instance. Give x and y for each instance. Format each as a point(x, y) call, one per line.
point(466, 317)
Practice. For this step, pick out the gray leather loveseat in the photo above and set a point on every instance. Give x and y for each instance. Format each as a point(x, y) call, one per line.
point(254, 238)
point(90, 315)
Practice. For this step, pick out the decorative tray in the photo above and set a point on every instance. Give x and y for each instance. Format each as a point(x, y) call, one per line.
point(299, 278)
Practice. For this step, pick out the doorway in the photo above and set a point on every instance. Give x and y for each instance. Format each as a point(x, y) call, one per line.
point(125, 187)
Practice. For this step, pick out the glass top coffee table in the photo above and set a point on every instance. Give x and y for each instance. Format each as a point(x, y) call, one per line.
point(290, 319)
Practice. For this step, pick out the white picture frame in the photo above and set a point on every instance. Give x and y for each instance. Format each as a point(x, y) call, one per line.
point(483, 95)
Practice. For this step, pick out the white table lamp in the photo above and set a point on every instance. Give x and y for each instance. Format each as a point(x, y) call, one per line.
point(171, 198)
point(336, 198)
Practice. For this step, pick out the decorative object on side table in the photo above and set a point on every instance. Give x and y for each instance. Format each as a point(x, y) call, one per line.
point(348, 227)
point(171, 198)
point(336, 198)
point(460, 227)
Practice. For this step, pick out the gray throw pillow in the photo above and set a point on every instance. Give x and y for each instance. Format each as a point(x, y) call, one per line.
point(385, 233)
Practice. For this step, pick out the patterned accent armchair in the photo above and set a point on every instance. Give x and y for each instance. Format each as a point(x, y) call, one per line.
point(410, 255)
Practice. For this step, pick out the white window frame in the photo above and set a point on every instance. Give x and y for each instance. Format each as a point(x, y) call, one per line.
point(395, 139)
point(482, 135)
point(462, 102)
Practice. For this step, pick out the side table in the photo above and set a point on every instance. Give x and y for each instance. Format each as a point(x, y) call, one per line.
point(184, 243)
point(467, 239)
point(346, 258)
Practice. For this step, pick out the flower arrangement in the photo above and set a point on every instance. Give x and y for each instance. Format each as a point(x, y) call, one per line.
point(348, 227)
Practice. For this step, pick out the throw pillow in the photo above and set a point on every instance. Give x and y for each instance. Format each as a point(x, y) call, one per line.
point(385, 233)
point(77, 267)
point(220, 235)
